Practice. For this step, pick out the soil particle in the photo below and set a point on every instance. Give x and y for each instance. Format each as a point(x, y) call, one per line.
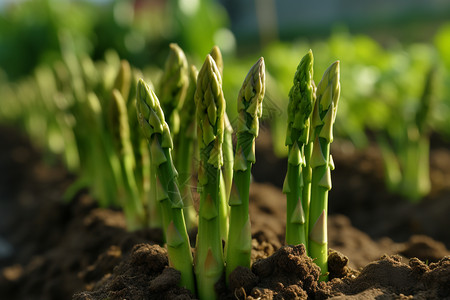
point(242, 281)
point(163, 282)
point(424, 248)
point(437, 280)
point(143, 274)
point(261, 249)
point(288, 266)
point(390, 278)
point(104, 265)
point(338, 265)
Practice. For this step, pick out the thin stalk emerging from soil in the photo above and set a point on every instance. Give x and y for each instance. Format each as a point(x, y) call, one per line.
point(157, 133)
point(185, 143)
point(226, 176)
point(120, 130)
point(250, 99)
point(323, 117)
point(173, 86)
point(301, 104)
point(209, 261)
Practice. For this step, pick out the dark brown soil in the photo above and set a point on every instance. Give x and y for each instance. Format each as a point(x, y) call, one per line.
point(53, 250)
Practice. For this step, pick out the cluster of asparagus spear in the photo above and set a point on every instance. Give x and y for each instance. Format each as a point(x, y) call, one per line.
point(84, 112)
point(223, 217)
point(223, 181)
point(311, 114)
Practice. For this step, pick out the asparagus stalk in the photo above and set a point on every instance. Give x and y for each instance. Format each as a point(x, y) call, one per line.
point(209, 262)
point(144, 171)
point(123, 79)
point(226, 175)
point(157, 132)
point(218, 59)
point(185, 147)
point(173, 86)
point(307, 172)
point(228, 157)
point(301, 104)
point(107, 166)
point(323, 117)
point(250, 100)
point(426, 101)
point(406, 162)
point(120, 131)
point(416, 181)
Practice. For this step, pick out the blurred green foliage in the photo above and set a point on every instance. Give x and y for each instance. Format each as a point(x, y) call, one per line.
point(139, 31)
point(29, 33)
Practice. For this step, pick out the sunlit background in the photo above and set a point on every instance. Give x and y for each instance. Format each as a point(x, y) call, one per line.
point(387, 50)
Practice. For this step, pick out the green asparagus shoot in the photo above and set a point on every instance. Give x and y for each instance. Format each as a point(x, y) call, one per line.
point(297, 182)
point(209, 261)
point(250, 99)
point(406, 151)
point(226, 176)
point(124, 79)
point(157, 132)
point(173, 86)
point(216, 54)
point(323, 117)
point(186, 143)
point(120, 130)
point(416, 164)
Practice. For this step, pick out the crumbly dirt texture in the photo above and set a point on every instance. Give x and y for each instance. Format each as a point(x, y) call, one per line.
point(381, 246)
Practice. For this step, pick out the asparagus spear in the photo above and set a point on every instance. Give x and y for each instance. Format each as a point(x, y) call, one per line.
point(209, 262)
point(173, 86)
point(144, 171)
point(250, 110)
point(226, 176)
point(324, 114)
point(185, 147)
point(157, 133)
point(120, 131)
point(123, 79)
point(426, 101)
point(416, 182)
point(301, 104)
point(106, 172)
point(217, 56)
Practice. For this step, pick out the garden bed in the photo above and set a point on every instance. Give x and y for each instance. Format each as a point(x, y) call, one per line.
point(53, 250)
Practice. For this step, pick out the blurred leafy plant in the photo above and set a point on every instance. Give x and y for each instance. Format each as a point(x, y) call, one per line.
point(29, 33)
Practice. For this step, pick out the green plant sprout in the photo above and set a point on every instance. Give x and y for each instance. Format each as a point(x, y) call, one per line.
point(156, 130)
point(324, 115)
point(250, 99)
point(209, 261)
point(186, 144)
point(301, 104)
point(406, 161)
point(173, 86)
point(130, 199)
point(226, 176)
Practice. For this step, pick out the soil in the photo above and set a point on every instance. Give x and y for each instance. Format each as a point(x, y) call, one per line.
point(381, 246)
